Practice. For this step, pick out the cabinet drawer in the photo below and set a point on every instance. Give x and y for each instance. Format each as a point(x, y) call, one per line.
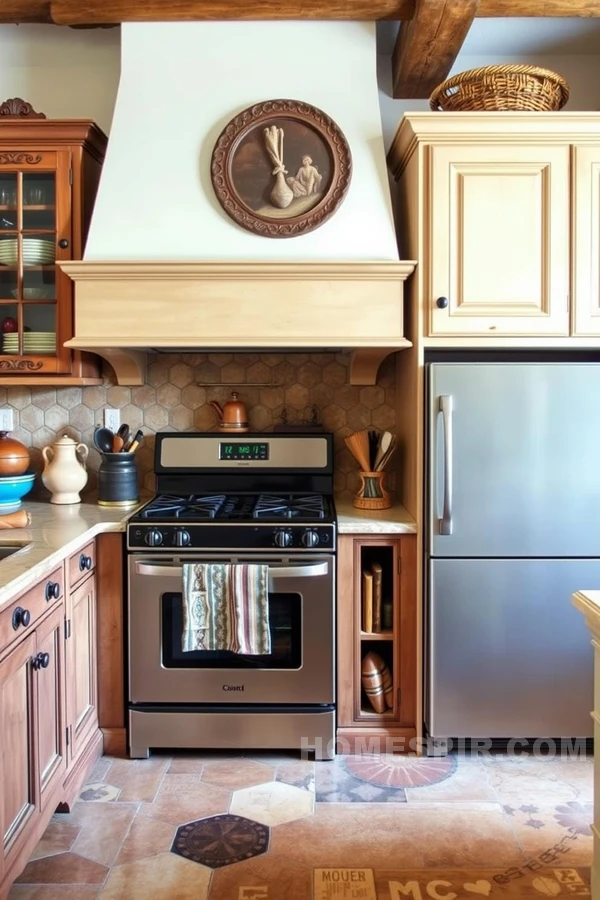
point(81, 564)
point(34, 602)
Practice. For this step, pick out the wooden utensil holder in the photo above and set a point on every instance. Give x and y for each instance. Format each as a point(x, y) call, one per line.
point(372, 494)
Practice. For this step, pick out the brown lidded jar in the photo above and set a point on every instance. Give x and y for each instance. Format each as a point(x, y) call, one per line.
point(14, 456)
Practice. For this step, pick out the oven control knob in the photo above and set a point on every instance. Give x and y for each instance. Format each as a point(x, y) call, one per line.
point(283, 538)
point(182, 538)
point(310, 538)
point(154, 538)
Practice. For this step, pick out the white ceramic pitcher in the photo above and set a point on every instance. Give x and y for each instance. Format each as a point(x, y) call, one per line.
point(64, 472)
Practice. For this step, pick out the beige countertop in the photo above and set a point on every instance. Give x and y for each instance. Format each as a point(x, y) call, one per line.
point(395, 520)
point(588, 602)
point(55, 532)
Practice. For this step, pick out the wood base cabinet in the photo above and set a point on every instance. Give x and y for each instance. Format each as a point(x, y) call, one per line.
point(376, 626)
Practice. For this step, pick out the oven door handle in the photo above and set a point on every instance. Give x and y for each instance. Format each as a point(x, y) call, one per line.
point(275, 573)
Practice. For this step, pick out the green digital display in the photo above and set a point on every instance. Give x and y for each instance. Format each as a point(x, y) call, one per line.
point(238, 451)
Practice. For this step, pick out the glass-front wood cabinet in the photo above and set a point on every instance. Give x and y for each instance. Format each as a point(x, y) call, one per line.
point(49, 173)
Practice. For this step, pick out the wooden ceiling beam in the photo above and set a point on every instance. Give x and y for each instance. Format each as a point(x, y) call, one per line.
point(563, 9)
point(101, 12)
point(428, 45)
point(13, 12)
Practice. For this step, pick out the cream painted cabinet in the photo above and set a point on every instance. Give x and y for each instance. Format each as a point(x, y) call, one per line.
point(499, 240)
point(502, 213)
point(586, 239)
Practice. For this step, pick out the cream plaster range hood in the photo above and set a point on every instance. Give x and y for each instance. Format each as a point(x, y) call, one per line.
point(165, 268)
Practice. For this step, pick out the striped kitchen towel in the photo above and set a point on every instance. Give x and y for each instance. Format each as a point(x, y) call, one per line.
point(226, 607)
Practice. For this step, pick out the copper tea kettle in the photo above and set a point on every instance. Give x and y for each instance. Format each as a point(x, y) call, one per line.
point(233, 415)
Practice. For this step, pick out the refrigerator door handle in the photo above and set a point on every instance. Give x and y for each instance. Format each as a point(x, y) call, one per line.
point(445, 523)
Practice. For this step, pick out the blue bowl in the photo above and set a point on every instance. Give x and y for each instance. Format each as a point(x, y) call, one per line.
point(12, 489)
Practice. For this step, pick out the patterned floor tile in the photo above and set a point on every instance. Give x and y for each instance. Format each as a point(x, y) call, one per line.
point(58, 837)
point(163, 877)
point(145, 838)
point(99, 792)
point(272, 803)
point(335, 784)
point(464, 884)
point(525, 779)
point(300, 773)
point(397, 772)
point(237, 774)
point(221, 840)
point(176, 803)
point(63, 868)
point(558, 834)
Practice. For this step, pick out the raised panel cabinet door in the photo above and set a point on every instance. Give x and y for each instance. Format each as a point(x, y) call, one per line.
point(82, 689)
point(50, 695)
point(17, 726)
point(499, 240)
point(586, 240)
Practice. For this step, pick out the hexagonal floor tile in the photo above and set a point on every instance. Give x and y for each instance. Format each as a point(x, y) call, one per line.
point(221, 840)
point(273, 803)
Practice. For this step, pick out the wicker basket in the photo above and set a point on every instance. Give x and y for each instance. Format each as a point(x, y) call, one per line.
point(510, 87)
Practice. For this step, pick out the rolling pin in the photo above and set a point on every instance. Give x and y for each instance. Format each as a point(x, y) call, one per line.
point(19, 519)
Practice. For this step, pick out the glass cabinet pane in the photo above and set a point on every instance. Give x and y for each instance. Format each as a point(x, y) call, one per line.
point(9, 323)
point(39, 201)
point(8, 200)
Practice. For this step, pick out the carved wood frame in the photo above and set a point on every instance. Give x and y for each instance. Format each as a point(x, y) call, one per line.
point(260, 115)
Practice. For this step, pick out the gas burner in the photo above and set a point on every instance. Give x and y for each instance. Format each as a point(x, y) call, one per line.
point(290, 506)
point(198, 507)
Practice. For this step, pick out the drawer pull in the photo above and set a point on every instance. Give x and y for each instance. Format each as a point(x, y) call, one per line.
point(85, 562)
point(442, 302)
point(52, 590)
point(20, 616)
point(41, 661)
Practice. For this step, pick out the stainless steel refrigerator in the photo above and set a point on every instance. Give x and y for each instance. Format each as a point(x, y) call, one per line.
point(513, 500)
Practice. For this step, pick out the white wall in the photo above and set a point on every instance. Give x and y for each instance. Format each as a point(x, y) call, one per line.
point(63, 72)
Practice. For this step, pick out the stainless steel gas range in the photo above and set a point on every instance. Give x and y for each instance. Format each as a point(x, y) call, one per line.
point(252, 498)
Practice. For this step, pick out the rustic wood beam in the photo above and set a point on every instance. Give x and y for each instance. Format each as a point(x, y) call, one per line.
point(585, 9)
point(100, 12)
point(16, 11)
point(428, 45)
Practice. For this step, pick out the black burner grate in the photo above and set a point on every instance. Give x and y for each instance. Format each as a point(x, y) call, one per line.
point(293, 506)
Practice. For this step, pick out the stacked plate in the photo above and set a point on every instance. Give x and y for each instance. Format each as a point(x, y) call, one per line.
point(36, 252)
point(33, 342)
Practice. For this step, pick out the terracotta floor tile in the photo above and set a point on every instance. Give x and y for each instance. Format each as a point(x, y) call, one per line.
point(103, 829)
point(63, 868)
point(521, 779)
point(195, 802)
point(380, 834)
point(560, 834)
point(280, 877)
point(139, 779)
point(53, 892)
point(146, 837)
point(101, 769)
point(237, 774)
point(300, 773)
point(184, 764)
point(468, 782)
point(163, 877)
point(57, 838)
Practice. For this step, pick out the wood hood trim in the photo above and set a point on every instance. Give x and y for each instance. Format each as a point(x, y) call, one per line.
point(122, 308)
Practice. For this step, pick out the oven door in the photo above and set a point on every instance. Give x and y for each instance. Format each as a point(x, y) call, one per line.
point(299, 669)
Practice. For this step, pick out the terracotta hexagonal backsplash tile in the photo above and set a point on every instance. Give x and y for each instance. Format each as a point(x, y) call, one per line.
point(276, 388)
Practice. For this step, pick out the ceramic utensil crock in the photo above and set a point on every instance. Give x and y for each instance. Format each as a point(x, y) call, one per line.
point(64, 472)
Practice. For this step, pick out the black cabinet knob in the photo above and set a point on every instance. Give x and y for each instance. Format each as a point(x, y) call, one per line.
point(63, 243)
point(85, 562)
point(20, 616)
point(41, 661)
point(52, 590)
point(442, 302)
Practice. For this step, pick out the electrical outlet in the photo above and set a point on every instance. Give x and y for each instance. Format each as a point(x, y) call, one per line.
point(112, 419)
point(6, 419)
